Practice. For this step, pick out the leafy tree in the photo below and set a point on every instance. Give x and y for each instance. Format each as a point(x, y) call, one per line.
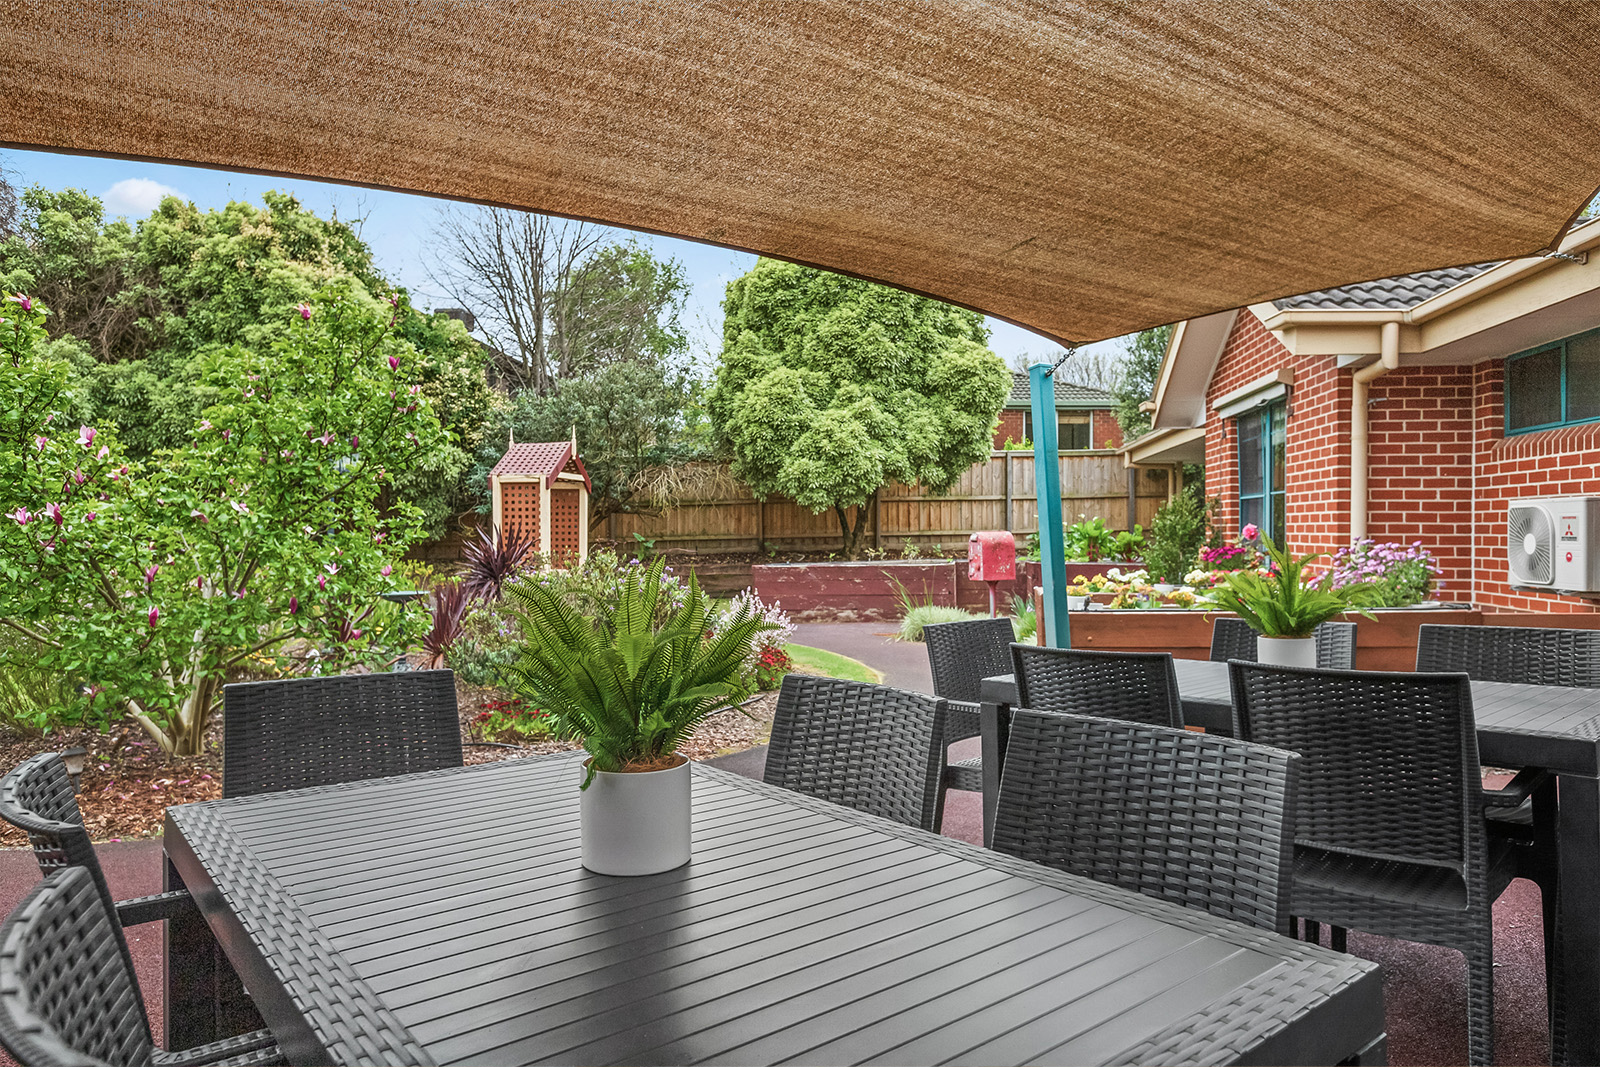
point(142, 310)
point(628, 417)
point(829, 386)
point(1141, 367)
point(265, 524)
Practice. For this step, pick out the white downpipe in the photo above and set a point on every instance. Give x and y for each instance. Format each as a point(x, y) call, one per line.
point(1388, 360)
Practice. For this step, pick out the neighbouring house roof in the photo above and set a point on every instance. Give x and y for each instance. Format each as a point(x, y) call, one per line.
point(1402, 291)
point(1084, 169)
point(1068, 394)
point(545, 459)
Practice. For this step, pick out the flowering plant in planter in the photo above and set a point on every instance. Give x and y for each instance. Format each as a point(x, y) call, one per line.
point(1281, 602)
point(1399, 574)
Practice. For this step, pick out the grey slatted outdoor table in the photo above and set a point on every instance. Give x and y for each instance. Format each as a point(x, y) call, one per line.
point(445, 918)
point(1551, 727)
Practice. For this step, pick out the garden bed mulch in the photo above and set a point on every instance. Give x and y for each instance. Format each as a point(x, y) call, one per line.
point(128, 784)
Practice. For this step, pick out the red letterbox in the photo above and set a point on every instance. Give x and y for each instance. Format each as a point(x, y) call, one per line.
point(992, 556)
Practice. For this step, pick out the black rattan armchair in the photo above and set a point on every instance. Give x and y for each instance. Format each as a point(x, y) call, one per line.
point(1232, 638)
point(961, 655)
point(1136, 686)
point(1391, 835)
point(68, 997)
point(1199, 820)
point(302, 732)
point(1530, 655)
point(868, 747)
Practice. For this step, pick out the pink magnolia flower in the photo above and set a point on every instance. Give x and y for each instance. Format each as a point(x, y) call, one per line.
point(240, 508)
point(331, 568)
point(86, 436)
point(305, 311)
point(150, 573)
point(21, 515)
point(27, 304)
point(294, 605)
point(322, 581)
point(40, 442)
point(386, 570)
point(1250, 531)
point(355, 442)
point(155, 613)
point(394, 362)
point(379, 537)
point(326, 439)
point(54, 511)
point(78, 477)
point(197, 515)
point(394, 300)
point(105, 451)
point(355, 634)
point(89, 517)
point(226, 434)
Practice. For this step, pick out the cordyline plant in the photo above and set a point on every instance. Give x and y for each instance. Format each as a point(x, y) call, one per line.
point(493, 558)
point(631, 689)
point(146, 585)
point(1281, 603)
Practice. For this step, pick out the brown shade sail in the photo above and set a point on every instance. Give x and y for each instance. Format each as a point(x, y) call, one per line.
point(1083, 169)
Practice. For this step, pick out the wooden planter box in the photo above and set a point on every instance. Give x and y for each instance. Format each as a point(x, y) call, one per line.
point(1386, 643)
point(863, 587)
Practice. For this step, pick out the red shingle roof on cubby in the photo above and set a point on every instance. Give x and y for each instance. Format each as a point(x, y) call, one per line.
point(544, 458)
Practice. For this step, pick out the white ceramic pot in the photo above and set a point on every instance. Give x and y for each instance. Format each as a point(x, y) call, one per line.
point(1287, 651)
point(635, 823)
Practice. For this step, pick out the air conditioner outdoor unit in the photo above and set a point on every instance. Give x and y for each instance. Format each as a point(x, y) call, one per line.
point(1554, 543)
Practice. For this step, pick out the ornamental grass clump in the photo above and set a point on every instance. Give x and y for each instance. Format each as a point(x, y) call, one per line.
point(1281, 602)
point(633, 682)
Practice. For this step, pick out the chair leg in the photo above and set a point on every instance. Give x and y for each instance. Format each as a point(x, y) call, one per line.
point(1480, 997)
point(1545, 814)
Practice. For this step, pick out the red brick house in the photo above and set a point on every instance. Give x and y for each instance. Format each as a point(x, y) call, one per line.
point(1407, 408)
point(1086, 418)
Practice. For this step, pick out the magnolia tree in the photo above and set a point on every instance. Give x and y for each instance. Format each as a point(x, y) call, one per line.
point(268, 524)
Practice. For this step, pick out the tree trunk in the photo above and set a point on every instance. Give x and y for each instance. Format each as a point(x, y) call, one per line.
point(855, 537)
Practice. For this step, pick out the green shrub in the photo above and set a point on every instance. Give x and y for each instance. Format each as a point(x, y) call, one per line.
point(924, 614)
point(1176, 534)
point(35, 700)
point(1024, 621)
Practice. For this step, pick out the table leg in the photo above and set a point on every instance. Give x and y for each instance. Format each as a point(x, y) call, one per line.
point(1575, 994)
point(205, 1001)
point(994, 728)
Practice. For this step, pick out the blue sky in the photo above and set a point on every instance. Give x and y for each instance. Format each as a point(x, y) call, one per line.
point(397, 227)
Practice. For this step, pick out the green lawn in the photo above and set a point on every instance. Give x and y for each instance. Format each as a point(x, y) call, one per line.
point(819, 661)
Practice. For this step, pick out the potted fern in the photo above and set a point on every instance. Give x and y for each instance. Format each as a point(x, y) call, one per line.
point(1283, 608)
point(630, 682)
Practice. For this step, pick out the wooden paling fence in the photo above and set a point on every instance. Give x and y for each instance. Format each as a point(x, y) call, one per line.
point(994, 495)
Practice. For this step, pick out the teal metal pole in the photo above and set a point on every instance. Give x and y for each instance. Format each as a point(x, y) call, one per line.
point(1047, 486)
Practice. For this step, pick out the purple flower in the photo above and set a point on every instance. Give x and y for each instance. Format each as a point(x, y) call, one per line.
point(155, 613)
point(40, 442)
point(197, 515)
point(150, 573)
point(89, 517)
point(86, 436)
point(104, 452)
point(78, 477)
point(294, 605)
point(322, 581)
point(355, 442)
point(326, 439)
point(54, 511)
point(305, 311)
point(331, 568)
point(386, 570)
point(21, 515)
point(27, 304)
point(394, 362)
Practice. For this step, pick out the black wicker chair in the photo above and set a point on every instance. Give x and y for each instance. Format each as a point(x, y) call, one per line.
point(1531, 655)
point(303, 732)
point(1232, 638)
point(1391, 835)
point(1135, 686)
point(1195, 819)
point(961, 655)
point(68, 997)
point(868, 747)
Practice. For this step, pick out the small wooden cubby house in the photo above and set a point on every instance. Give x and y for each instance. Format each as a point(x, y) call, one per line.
point(543, 490)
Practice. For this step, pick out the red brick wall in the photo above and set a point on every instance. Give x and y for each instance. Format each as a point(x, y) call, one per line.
point(1010, 427)
point(1564, 462)
point(1317, 445)
point(1104, 432)
point(1420, 424)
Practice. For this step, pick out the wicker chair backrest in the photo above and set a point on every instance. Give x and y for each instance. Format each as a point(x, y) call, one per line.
point(38, 798)
point(1531, 655)
point(962, 654)
point(1135, 686)
point(1391, 760)
point(68, 997)
point(303, 732)
point(1198, 820)
point(868, 747)
point(1232, 638)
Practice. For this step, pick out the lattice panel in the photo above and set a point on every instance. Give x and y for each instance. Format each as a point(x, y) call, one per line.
point(519, 508)
point(565, 514)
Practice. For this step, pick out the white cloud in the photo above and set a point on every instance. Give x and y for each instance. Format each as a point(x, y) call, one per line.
point(136, 196)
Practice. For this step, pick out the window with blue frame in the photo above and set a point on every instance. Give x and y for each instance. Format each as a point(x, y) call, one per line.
point(1262, 434)
point(1554, 385)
